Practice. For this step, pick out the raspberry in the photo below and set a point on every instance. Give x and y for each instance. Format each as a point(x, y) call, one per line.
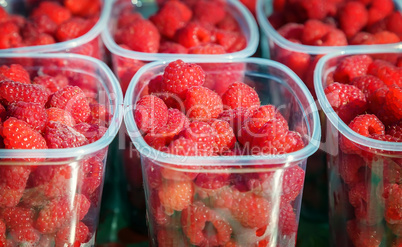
point(240, 95)
point(9, 197)
point(346, 100)
point(365, 125)
point(150, 114)
point(179, 76)
point(72, 28)
point(92, 174)
point(362, 38)
point(15, 177)
point(383, 37)
point(368, 84)
point(100, 115)
point(65, 234)
point(55, 114)
point(183, 146)
point(92, 132)
point(349, 167)
point(84, 8)
point(52, 181)
point(172, 16)
point(202, 103)
point(33, 114)
point(394, 23)
point(126, 18)
point(207, 49)
point(299, 62)
point(397, 230)
point(11, 92)
point(228, 40)
point(171, 47)
point(52, 83)
point(395, 130)
point(225, 138)
point(176, 122)
point(73, 100)
point(15, 73)
point(236, 117)
point(313, 9)
point(393, 201)
point(176, 195)
point(55, 11)
point(210, 12)
point(82, 205)
point(59, 135)
point(41, 39)
point(393, 101)
point(287, 219)
point(351, 67)
point(212, 181)
point(386, 71)
point(157, 210)
point(141, 36)
point(194, 220)
point(20, 222)
point(353, 17)
point(271, 138)
point(25, 235)
point(294, 31)
point(314, 30)
point(379, 9)
point(362, 235)
point(18, 134)
point(10, 35)
point(365, 205)
point(41, 24)
point(203, 135)
point(2, 233)
point(53, 216)
point(193, 34)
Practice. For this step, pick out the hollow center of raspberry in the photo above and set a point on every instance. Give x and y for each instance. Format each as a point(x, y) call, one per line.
point(209, 230)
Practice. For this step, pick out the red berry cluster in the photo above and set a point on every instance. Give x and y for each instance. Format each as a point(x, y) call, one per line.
point(331, 23)
point(48, 22)
point(185, 27)
point(43, 203)
point(216, 205)
point(365, 91)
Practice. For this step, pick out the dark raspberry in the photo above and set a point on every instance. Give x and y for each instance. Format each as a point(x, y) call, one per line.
point(349, 167)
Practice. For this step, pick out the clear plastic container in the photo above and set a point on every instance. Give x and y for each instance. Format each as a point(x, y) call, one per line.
point(359, 183)
point(127, 62)
point(89, 44)
point(278, 45)
point(58, 189)
point(268, 218)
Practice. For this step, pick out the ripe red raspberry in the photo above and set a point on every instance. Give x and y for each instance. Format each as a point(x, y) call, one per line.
point(73, 28)
point(18, 134)
point(194, 220)
point(236, 117)
point(176, 195)
point(52, 83)
point(172, 16)
point(349, 168)
point(19, 221)
point(92, 132)
point(11, 92)
point(55, 11)
point(394, 23)
point(207, 49)
point(365, 204)
point(240, 95)
point(210, 12)
point(141, 36)
point(293, 31)
point(172, 47)
point(2, 233)
point(271, 138)
point(15, 73)
point(395, 130)
point(353, 17)
point(52, 181)
point(150, 114)
point(25, 235)
point(35, 26)
point(41, 39)
point(128, 17)
point(176, 122)
point(225, 138)
point(287, 219)
point(53, 216)
point(379, 9)
point(386, 71)
point(100, 115)
point(363, 235)
point(204, 137)
point(351, 67)
point(315, 9)
point(14, 177)
point(81, 205)
point(55, 114)
point(313, 31)
point(183, 146)
point(10, 37)
point(84, 8)
point(346, 100)
point(368, 84)
point(59, 135)
point(382, 37)
point(393, 101)
point(179, 76)
point(229, 40)
point(65, 234)
point(393, 201)
point(10, 197)
point(193, 34)
point(202, 103)
point(33, 114)
point(91, 175)
point(365, 125)
point(212, 180)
